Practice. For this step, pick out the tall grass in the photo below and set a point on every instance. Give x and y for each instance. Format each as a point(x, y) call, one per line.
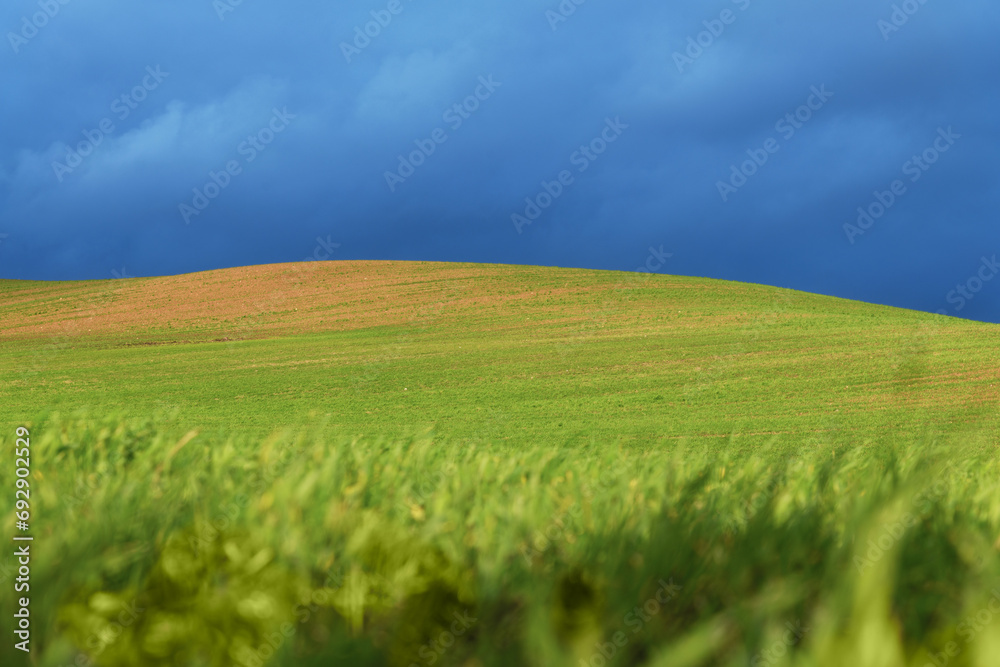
point(157, 545)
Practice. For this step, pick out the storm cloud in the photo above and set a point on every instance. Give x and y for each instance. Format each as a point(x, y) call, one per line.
point(840, 147)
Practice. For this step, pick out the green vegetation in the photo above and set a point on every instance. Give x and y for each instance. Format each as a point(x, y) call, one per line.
point(598, 470)
point(521, 355)
point(160, 547)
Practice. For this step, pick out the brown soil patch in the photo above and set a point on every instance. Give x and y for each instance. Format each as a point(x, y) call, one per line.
point(282, 299)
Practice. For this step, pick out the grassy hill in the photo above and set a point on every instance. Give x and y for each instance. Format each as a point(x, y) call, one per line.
point(495, 353)
point(416, 464)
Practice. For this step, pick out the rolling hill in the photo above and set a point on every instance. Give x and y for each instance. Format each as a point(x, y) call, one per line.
point(495, 353)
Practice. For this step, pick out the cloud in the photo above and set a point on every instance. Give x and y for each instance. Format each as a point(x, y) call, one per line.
point(408, 86)
point(658, 185)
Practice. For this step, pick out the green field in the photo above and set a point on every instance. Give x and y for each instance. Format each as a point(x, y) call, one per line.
point(325, 463)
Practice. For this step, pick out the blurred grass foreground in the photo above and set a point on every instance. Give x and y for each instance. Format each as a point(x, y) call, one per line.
point(157, 545)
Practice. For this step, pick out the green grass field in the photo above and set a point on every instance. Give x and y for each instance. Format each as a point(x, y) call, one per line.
point(439, 464)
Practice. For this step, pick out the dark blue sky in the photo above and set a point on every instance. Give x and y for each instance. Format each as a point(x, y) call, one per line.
point(613, 120)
